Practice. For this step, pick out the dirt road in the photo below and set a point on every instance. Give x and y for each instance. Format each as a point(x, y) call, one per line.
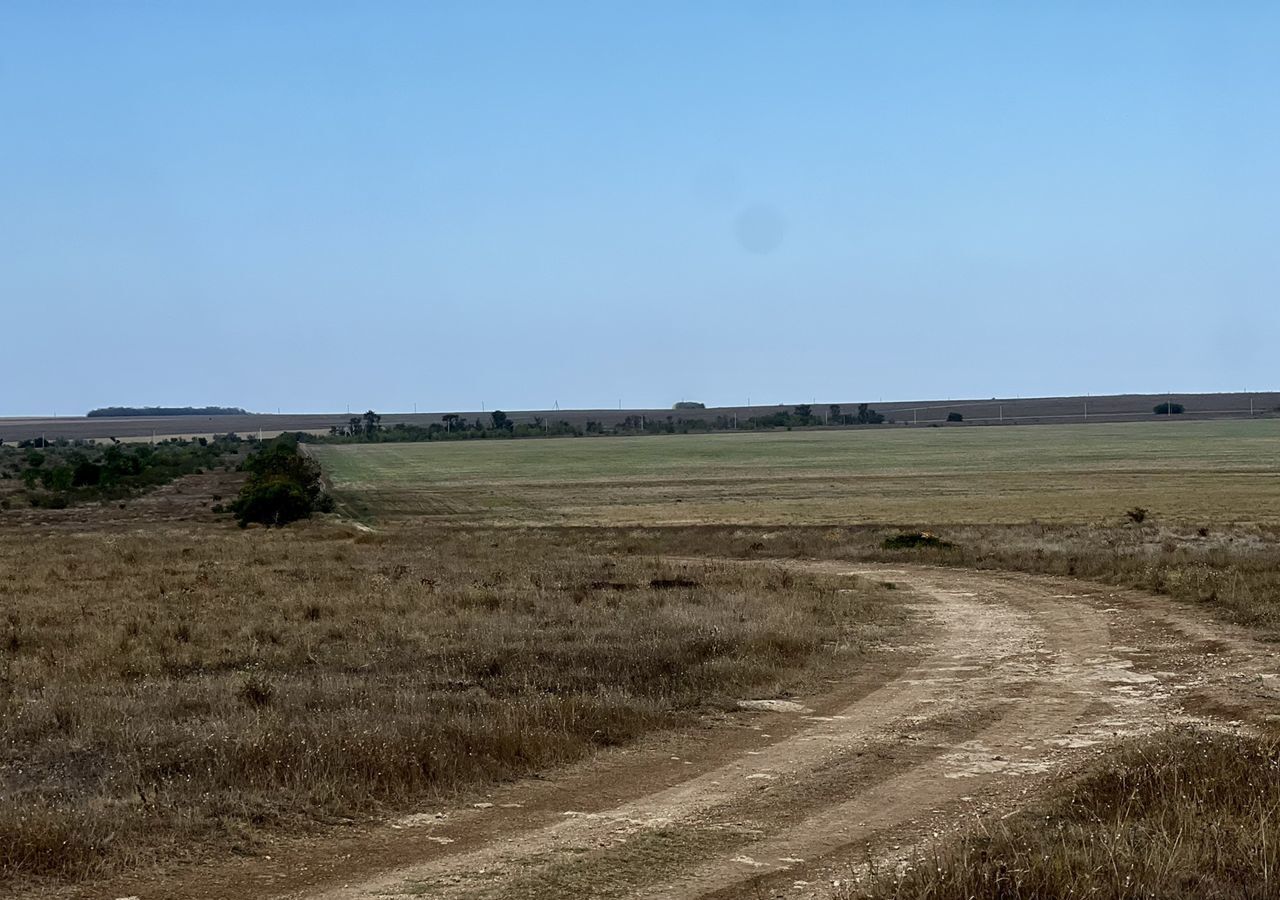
point(1020, 677)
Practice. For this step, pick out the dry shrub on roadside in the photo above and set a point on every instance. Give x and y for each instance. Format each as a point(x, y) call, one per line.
point(1183, 814)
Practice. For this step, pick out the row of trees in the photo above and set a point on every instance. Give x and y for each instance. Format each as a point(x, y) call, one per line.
point(121, 411)
point(454, 426)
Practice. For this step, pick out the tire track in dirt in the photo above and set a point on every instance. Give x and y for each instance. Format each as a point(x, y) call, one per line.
point(1023, 675)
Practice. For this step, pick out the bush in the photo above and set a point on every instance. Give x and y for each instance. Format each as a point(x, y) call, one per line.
point(912, 540)
point(955, 417)
point(283, 486)
point(272, 501)
point(1165, 409)
point(1138, 514)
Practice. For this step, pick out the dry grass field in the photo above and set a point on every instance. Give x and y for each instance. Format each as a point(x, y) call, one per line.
point(188, 709)
point(1190, 472)
point(171, 691)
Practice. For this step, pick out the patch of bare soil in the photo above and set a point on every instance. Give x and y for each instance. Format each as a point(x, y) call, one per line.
point(1021, 678)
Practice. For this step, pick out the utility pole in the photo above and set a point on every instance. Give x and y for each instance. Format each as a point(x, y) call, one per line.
point(1086, 410)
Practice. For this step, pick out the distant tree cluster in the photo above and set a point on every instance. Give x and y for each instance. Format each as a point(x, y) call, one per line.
point(689, 404)
point(133, 411)
point(803, 416)
point(1166, 409)
point(365, 426)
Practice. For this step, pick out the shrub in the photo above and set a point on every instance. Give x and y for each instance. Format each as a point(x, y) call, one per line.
point(912, 540)
point(283, 486)
point(955, 417)
point(1165, 409)
point(1138, 514)
point(275, 500)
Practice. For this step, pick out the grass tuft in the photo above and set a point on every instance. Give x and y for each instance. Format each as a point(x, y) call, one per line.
point(1181, 815)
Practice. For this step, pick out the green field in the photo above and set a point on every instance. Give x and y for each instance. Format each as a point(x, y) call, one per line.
point(1184, 471)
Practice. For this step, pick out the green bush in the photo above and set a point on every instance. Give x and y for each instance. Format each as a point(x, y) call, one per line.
point(283, 486)
point(275, 500)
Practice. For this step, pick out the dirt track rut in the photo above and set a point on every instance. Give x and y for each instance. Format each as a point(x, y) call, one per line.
point(1022, 675)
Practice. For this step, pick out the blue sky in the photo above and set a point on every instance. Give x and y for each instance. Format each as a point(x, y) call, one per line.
point(309, 205)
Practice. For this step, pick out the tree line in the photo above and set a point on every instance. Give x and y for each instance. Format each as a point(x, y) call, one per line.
point(368, 426)
point(123, 411)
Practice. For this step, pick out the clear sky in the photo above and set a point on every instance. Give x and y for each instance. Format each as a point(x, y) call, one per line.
point(305, 205)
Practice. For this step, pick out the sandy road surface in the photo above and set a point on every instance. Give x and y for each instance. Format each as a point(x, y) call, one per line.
point(1020, 676)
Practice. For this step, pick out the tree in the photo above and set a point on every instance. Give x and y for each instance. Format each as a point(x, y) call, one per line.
point(803, 411)
point(283, 486)
point(954, 417)
point(689, 404)
point(833, 413)
point(868, 416)
point(1166, 408)
point(501, 422)
point(450, 421)
point(371, 423)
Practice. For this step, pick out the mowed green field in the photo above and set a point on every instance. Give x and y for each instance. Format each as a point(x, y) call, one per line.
point(1184, 471)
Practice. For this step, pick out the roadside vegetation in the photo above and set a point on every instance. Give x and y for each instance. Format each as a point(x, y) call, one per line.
point(1233, 572)
point(175, 691)
point(1179, 815)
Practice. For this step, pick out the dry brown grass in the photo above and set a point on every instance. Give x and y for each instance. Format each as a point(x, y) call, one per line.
point(176, 690)
point(1180, 815)
point(1232, 571)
